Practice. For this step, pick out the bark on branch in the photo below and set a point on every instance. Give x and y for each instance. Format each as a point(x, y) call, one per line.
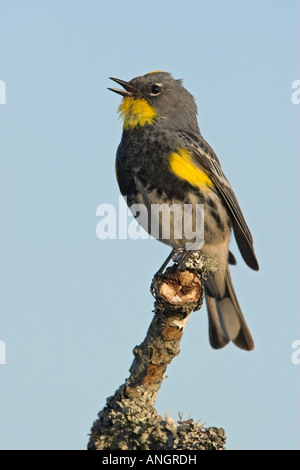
point(129, 419)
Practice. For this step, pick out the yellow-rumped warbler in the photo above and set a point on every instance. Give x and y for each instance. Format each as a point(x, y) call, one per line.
point(163, 160)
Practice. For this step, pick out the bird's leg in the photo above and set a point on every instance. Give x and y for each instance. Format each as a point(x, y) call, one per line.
point(165, 263)
point(161, 270)
point(184, 258)
point(181, 256)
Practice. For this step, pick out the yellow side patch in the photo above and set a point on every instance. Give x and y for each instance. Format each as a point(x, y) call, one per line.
point(181, 164)
point(136, 112)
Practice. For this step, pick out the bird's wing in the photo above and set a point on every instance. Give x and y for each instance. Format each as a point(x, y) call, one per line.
point(204, 157)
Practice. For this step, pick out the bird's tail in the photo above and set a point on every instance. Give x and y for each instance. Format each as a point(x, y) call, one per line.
point(226, 321)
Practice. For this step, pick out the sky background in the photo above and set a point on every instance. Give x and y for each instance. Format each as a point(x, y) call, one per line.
point(72, 306)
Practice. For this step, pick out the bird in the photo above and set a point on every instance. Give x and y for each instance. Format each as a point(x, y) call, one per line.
point(163, 160)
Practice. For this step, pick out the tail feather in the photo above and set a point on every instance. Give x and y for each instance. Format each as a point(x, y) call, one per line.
point(216, 336)
point(226, 321)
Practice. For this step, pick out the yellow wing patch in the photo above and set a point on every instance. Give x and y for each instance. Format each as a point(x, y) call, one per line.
point(136, 112)
point(181, 164)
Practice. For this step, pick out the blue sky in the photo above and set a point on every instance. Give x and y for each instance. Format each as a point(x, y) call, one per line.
point(73, 306)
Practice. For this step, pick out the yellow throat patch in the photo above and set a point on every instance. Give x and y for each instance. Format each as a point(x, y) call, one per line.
point(136, 112)
point(182, 165)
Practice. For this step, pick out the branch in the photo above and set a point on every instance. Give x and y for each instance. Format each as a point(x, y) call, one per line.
point(129, 420)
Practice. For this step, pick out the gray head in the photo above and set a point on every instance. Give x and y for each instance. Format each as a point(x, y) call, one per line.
point(165, 95)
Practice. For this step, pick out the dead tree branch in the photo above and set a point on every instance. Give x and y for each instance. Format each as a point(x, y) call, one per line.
point(129, 419)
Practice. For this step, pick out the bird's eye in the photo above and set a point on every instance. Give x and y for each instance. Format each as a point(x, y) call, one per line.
point(155, 89)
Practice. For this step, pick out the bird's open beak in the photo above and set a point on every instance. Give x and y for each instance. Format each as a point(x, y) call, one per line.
point(129, 90)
